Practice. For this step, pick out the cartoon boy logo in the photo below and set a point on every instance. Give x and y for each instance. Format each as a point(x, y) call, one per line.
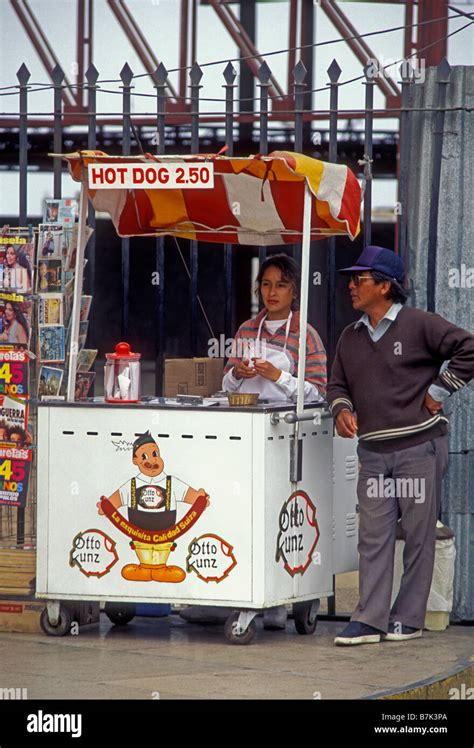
point(151, 498)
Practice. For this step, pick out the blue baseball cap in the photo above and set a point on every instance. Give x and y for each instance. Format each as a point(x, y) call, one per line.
point(380, 259)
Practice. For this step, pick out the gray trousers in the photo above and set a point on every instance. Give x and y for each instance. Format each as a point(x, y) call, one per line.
point(410, 481)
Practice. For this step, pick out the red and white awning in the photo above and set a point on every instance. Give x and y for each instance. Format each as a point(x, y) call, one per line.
point(256, 200)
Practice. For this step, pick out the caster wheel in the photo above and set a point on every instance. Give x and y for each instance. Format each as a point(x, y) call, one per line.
point(306, 616)
point(63, 625)
point(233, 630)
point(120, 613)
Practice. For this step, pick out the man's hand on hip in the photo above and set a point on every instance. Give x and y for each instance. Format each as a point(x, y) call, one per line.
point(434, 406)
point(346, 424)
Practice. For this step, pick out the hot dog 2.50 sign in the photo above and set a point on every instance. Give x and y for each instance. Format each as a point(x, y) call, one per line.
point(13, 372)
point(162, 175)
point(14, 475)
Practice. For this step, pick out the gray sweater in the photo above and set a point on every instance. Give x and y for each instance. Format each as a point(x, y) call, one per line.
point(385, 382)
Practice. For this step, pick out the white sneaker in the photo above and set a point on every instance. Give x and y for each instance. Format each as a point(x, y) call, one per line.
point(401, 633)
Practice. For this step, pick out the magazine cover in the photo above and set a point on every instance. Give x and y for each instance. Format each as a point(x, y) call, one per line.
point(50, 241)
point(62, 211)
point(15, 464)
point(72, 246)
point(17, 252)
point(50, 380)
point(85, 308)
point(50, 309)
point(49, 275)
point(13, 371)
point(51, 343)
point(83, 384)
point(15, 319)
point(14, 420)
point(68, 299)
point(86, 358)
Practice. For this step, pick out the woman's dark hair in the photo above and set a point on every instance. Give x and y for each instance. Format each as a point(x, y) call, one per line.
point(289, 271)
point(23, 262)
point(19, 316)
point(21, 259)
point(18, 430)
point(396, 293)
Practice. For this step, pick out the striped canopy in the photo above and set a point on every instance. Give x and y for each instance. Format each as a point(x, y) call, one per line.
point(255, 200)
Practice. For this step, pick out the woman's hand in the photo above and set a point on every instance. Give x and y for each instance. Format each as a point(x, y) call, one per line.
point(242, 370)
point(266, 370)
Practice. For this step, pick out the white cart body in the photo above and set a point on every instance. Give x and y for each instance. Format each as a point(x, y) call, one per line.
point(244, 551)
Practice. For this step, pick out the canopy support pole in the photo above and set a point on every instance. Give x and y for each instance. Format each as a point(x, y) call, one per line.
point(296, 458)
point(76, 304)
point(304, 297)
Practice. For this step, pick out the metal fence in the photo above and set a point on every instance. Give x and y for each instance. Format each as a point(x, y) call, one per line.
point(298, 115)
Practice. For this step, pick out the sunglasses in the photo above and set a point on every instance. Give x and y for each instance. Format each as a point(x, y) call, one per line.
point(357, 279)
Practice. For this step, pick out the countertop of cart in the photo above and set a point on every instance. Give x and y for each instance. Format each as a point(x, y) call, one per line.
point(216, 404)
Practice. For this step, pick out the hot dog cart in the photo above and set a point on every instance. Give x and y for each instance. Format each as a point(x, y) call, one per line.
point(250, 492)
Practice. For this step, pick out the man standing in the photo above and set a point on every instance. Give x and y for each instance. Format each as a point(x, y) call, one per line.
point(386, 386)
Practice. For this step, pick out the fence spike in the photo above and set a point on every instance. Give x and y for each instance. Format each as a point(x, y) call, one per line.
point(443, 71)
point(57, 75)
point(406, 71)
point(195, 74)
point(23, 75)
point(264, 73)
point(92, 75)
point(161, 75)
point(126, 74)
point(299, 72)
point(229, 73)
point(334, 71)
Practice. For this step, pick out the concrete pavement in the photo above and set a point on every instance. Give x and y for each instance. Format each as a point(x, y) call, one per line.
point(169, 659)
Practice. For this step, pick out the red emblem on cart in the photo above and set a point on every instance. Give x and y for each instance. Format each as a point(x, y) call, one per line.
point(93, 552)
point(210, 557)
point(298, 533)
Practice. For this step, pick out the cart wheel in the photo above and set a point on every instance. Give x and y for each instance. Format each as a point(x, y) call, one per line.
point(63, 625)
point(306, 616)
point(233, 630)
point(120, 613)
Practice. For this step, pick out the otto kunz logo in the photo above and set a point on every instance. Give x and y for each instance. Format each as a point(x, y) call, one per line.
point(299, 533)
point(93, 552)
point(210, 557)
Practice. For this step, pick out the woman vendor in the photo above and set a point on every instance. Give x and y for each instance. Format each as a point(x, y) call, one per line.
point(271, 340)
point(266, 362)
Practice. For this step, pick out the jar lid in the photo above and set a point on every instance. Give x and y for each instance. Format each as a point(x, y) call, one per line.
point(122, 351)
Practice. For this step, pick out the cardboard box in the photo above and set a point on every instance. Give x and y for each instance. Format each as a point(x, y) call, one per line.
point(21, 616)
point(17, 571)
point(193, 376)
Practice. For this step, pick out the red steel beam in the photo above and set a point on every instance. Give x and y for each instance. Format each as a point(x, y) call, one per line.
point(183, 47)
point(292, 26)
point(42, 46)
point(433, 32)
point(360, 48)
point(84, 39)
point(408, 43)
point(138, 42)
point(245, 44)
point(174, 118)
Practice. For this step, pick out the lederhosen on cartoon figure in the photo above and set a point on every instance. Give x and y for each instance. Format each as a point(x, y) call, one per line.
point(150, 510)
